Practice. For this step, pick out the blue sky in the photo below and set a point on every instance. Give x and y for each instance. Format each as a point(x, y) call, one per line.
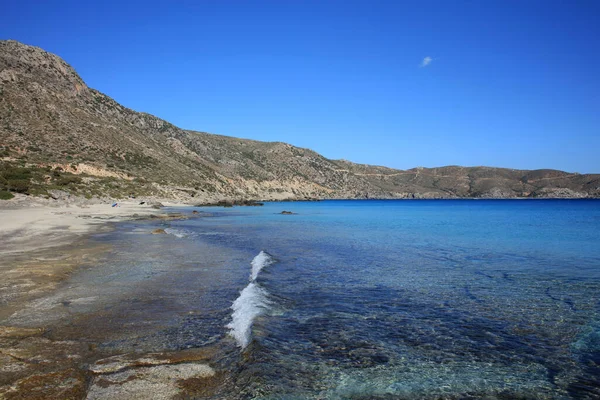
point(510, 83)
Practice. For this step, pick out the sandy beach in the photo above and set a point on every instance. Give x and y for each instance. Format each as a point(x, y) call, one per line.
point(41, 245)
point(39, 242)
point(33, 225)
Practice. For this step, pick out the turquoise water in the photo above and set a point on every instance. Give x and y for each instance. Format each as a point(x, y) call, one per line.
point(452, 299)
point(413, 299)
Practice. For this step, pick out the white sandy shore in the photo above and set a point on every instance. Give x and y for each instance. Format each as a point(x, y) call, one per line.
point(32, 226)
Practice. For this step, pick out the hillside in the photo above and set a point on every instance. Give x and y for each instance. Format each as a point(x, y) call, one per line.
point(57, 135)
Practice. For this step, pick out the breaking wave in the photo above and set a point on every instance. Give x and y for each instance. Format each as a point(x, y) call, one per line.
point(262, 260)
point(252, 302)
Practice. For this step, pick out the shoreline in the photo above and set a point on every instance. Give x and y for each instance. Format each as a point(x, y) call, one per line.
point(41, 246)
point(33, 225)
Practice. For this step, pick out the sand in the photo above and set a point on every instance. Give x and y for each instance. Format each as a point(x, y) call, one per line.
point(41, 244)
point(36, 226)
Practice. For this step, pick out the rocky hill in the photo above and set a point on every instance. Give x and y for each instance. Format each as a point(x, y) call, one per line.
point(57, 135)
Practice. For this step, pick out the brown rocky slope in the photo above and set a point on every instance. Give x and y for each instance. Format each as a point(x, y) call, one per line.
point(57, 133)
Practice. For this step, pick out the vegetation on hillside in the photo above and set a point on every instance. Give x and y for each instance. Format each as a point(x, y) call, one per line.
point(47, 181)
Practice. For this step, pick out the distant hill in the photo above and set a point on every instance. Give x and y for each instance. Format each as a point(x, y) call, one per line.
point(59, 135)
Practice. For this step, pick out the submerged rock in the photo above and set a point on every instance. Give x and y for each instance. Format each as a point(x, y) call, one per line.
point(170, 216)
point(153, 375)
point(151, 382)
point(14, 332)
point(66, 384)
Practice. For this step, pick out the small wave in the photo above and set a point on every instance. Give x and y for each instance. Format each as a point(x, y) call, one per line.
point(262, 260)
point(176, 232)
point(252, 302)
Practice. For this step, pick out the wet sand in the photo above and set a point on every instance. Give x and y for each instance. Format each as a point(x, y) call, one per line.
point(41, 247)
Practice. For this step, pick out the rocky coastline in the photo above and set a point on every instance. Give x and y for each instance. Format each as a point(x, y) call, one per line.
point(42, 246)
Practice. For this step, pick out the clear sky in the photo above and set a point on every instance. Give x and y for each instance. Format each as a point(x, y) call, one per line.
point(398, 83)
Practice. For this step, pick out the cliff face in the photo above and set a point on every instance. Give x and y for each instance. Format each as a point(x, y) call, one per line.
point(49, 118)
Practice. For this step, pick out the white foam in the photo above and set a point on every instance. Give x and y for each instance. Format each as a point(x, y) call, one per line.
point(176, 232)
point(260, 261)
point(252, 302)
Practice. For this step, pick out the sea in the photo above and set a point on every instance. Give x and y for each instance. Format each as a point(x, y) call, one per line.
point(364, 299)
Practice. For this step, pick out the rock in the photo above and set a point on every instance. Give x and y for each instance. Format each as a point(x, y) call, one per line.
point(287, 213)
point(159, 231)
point(66, 384)
point(150, 382)
point(10, 366)
point(558, 193)
point(498, 193)
point(14, 332)
point(170, 216)
point(194, 212)
point(120, 362)
point(59, 194)
point(252, 203)
point(231, 203)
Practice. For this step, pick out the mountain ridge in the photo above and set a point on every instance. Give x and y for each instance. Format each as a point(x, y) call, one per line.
point(59, 129)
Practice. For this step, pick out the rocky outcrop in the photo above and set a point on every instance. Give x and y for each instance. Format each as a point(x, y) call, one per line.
point(35, 367)
point(51, 119)
point(559, 193)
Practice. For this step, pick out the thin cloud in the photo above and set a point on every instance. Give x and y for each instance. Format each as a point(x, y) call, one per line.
point(426, 61)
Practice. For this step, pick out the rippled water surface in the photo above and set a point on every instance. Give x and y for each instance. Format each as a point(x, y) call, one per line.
point(419, 299)
point(376, 299)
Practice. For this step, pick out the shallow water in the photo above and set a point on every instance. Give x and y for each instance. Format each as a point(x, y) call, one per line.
point(359, 299)
point(422, 299)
